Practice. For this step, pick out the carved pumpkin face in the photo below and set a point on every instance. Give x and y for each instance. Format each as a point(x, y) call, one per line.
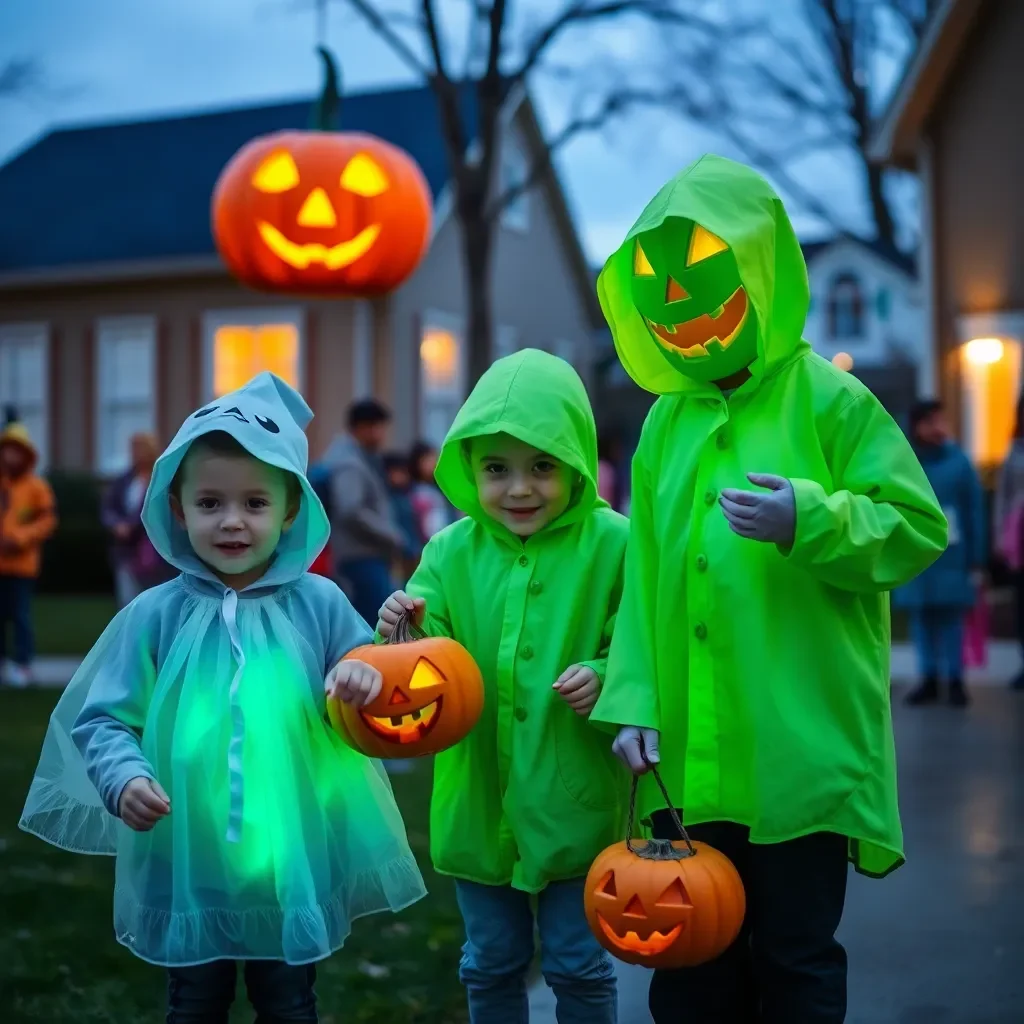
point(664, 913)
point(686, 285)
point(432, 696)
point(322, 213)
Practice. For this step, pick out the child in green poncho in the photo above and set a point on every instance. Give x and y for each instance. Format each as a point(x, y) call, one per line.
point(529, 583)
point(774, 506)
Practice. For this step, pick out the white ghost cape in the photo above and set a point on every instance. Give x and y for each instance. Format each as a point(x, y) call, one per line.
point(279, 834)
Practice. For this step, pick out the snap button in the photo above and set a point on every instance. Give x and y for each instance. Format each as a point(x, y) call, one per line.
point(700, 631)
point(709, 497)
point(702, 563)
point(523, 560)
point(527, 652)
point(521, 714)
point(536, 587)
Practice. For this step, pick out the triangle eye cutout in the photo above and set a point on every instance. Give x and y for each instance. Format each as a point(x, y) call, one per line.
point(675, 895)
point(641, 264)
point(674, 291)
point(607, 885)
point(397, 697)
point(424, 674)
point(634, 908)
point(703, 244)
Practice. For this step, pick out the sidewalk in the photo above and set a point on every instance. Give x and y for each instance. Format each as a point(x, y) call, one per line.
point(1004, 662)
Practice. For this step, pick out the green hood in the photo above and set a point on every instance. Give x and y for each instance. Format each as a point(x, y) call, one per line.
point(538, 399)
point(739, 206)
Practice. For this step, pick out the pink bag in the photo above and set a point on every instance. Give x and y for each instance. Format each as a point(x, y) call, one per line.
point(976, 634)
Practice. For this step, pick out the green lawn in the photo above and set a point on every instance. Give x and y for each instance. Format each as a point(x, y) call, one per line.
point(59, 962)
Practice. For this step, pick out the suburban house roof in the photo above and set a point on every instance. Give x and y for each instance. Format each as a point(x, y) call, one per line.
point(902, 261)
point(898, 131)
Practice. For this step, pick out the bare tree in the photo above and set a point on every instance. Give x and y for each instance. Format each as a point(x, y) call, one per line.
point(791, 89)
point(20, 76)
point(497, 59)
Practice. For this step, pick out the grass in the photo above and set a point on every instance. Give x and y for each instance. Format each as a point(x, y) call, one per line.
point(68, 625)
point(59, 962)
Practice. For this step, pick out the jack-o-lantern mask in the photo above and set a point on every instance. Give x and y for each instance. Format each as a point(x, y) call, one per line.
point(686, 285)
point(432, 696)
point(322, 213)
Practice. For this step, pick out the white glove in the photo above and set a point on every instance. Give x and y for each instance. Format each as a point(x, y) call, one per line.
point(758, 515)
point(630, 745)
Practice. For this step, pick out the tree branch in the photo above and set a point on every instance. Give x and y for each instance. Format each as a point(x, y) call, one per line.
point(20, 76)
point(434, 38)
point(383, 27)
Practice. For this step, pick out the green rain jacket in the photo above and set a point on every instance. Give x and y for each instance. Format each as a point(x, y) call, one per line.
point(533, 794)
point(766, 670)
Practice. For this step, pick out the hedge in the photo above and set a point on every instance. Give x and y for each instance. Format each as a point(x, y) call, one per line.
point(76, 558)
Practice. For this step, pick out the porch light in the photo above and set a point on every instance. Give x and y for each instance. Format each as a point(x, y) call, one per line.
point(984, 351)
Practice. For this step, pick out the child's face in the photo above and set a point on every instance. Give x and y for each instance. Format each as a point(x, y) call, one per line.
point(14, 460)
point(398, 477)
point(519, 486)
point(235, 509)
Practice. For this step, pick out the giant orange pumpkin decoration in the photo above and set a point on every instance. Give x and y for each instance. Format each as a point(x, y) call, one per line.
point(664, 904)
point(432, 696)
point(322, 212)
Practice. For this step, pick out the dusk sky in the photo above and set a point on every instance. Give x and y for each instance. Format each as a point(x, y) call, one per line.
point(122, 59)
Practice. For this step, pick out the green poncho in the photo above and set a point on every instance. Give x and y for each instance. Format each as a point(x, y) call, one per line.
point(533, 794)
point(767, 671)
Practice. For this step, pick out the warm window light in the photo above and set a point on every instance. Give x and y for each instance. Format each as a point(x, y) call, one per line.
point(843, 360)
point(241, 351)
point(984, 351)
point(439, 352)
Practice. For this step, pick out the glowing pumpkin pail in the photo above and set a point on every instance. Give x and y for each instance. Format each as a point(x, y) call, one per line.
point(661, 903)
point(432, 697)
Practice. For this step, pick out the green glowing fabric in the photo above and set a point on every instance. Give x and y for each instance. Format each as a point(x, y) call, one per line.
point(279, 833)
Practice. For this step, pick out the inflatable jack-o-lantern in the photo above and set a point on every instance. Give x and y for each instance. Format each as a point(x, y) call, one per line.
point(664, 904)
point(322, 212)
point(432, 696)
point(686, 285)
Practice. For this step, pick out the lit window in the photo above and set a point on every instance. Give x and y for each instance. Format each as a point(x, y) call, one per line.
point(990, 370)
point(441, 375)
point(845, 308)
point(241, 345)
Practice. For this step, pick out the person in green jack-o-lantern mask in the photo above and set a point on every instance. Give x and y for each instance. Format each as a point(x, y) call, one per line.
point(686, 286)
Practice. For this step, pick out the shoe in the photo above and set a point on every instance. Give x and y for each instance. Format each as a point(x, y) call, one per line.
point(19, 677)
point(926, 693)
point(958, 694)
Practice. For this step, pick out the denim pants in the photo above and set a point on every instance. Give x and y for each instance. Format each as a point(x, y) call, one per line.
point(280, 993)
point(938, 634)
point(371, 585)
point(16, 611)
point(499, 949)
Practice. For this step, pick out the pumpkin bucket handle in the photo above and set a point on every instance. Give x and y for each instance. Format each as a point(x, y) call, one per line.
point(405, 630)
point(656, 849)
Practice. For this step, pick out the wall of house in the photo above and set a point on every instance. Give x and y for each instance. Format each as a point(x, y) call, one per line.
point(977, 162)
point(180, 371)
point(892, 321)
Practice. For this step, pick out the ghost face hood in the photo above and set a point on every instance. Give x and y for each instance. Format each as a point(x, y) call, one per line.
point(709, 280)
point(540, 400)
point(267, 418)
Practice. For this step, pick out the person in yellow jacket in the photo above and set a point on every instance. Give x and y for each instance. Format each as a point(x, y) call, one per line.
point(775, 504)
point(529, 583)
point(27, 518)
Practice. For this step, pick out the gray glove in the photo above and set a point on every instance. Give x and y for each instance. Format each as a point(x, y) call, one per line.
point(629, 743)
point(765, 516)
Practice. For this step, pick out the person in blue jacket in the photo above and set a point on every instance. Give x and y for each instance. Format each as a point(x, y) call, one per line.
point(939, 599)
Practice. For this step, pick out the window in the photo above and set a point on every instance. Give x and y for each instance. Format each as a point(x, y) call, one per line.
point(845, 308)
point(24, 380)
point(241, 344)
point(442, 374)
point(125, 387)
point(514, 169)
point(506, 341)
point(362, 350)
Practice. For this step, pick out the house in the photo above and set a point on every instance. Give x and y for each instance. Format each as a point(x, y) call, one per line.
point(117, 314)
point(866, 315)
point(955, 120)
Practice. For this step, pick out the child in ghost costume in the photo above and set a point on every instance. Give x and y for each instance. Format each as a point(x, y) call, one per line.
point(774, 505)
point(192, 742)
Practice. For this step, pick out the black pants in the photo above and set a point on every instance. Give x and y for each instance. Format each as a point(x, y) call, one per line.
point(278, 992)
point(786, 966)
point(16, 609)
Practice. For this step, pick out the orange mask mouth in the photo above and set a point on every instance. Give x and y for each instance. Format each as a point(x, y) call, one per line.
point(408, 728)
point(334, 257)
point(691, 337)
point(657, 943)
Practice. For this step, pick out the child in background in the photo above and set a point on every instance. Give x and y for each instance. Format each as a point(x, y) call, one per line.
point(253, 832)
point(27, 519)
point(396, 469)
point(529, 583)
point(433, 513)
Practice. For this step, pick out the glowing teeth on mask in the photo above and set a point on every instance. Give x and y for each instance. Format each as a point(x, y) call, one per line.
point(407, 728)
point(691, 338)
point(716, 313)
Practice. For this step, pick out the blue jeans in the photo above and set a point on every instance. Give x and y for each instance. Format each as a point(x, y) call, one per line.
point(938, 634)
point(499, 950)
point(16, 609)
point(371, 584)
point(278, 992)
